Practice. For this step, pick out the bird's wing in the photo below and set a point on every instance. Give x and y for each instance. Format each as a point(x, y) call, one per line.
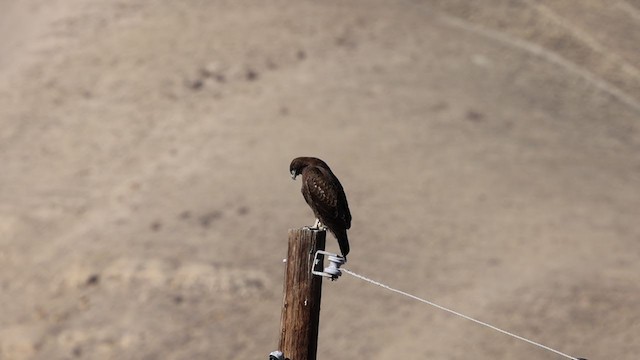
point(343, 205)
point(324, 197)
point(347, 214)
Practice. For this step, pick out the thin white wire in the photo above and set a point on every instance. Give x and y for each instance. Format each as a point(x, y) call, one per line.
point(459, 314)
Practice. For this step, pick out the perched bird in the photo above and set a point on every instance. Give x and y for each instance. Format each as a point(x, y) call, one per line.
point(325, 195)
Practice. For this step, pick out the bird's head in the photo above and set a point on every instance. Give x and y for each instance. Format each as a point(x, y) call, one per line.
point(296, 167)
point(298, 164)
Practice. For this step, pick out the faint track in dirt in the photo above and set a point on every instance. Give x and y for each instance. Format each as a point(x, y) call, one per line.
point(585, 38)
point(629, 9)
point(545, 54)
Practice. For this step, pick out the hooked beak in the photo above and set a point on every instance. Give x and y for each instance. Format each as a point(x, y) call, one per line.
point(293, 174)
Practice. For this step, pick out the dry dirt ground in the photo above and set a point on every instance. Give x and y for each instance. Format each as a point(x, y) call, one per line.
point(490, 151)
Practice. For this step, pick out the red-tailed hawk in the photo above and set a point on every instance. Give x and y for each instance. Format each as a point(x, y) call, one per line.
point(325, 195)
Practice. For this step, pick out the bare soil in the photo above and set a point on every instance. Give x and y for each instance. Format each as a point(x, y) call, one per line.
point(490, 152)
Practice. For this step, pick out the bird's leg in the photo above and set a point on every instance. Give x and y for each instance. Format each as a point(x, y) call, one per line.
point(316, 225)
point(319, 226)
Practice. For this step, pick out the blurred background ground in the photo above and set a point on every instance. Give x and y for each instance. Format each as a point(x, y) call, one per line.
point(489, 151)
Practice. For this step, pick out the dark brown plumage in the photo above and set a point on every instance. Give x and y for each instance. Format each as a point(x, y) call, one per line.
point(325, 195)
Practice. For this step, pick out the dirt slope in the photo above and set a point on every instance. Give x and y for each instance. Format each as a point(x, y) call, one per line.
point(489, 152)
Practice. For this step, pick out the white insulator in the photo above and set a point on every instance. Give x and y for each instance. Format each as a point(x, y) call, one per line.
point(333, 270)
point(276, 355)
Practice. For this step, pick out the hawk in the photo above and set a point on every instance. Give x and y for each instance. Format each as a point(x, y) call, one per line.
point(324, 194)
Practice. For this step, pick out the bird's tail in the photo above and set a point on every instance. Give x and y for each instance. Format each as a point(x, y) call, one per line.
point(343, 241)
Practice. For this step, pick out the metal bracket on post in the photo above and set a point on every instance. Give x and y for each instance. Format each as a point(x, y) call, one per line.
point(333, 270)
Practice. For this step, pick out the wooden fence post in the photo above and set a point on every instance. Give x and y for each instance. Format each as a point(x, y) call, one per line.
point(302, 292)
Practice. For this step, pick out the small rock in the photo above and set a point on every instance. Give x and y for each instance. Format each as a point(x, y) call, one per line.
point(251, 75)
point(93, 279)
point(196, 84)
point(474, 116)
point(156, 225)
point(210, 217)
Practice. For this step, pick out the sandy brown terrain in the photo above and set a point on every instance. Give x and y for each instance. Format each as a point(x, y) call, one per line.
point(490, 152)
